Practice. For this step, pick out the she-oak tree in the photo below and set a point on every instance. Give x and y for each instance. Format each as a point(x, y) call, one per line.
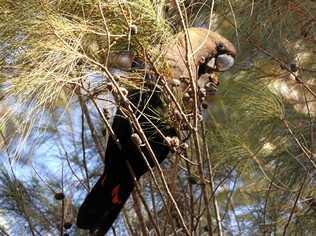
point(249, 167)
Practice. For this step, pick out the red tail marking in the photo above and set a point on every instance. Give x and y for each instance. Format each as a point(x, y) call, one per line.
point(115, 195)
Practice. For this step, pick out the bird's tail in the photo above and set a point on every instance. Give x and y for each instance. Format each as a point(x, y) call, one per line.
point(103, 204)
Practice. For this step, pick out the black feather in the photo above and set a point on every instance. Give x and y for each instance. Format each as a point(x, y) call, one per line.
point(101, 208)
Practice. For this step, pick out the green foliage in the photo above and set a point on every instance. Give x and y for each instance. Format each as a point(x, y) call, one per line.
point(258, 133)
point(262, 149)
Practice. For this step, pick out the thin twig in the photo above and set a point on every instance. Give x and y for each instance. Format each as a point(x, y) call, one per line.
point(294, 206)
point(197, 147)
point(137, 188)
point(211, 176)
point(84, 161)
point(93, 131)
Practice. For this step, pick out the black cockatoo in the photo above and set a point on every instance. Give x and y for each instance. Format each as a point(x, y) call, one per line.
point(211, 53)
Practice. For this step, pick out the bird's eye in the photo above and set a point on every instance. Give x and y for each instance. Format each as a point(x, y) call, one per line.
point(220, 47)
point(224, 62)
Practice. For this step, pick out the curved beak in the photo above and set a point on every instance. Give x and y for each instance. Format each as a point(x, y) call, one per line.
point(224, 62)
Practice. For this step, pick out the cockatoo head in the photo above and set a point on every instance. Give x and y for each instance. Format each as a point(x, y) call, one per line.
point(208, 52)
